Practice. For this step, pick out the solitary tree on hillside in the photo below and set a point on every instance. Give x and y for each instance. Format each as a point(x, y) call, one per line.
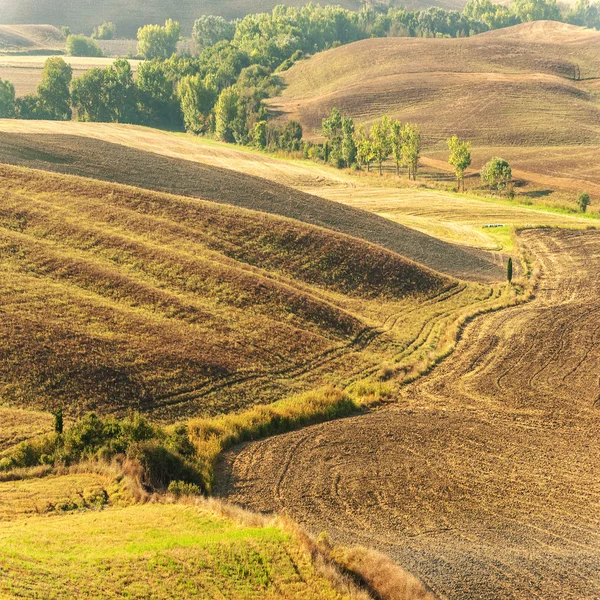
point(460, 158)
point(496, 174)
point(583, 201)
point(509, 270)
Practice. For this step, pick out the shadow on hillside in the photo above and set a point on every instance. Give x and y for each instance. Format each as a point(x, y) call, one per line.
point(86, 157)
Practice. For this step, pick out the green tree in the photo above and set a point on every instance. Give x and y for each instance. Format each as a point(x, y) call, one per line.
point(121, 91)
point(381, 141)
point(460, 158)
point(79, 45)
point(158, 102)
point(89, 98)
point(58, 421)
point(411, 149)
point(397, 143)
point(155, 41)
point(496, 174)
point(106, 31)
point(197, 98)
point(211, 29)
point(226, 112)
point(364, 148)
point(259, 135)
point(53, 92)
point(509, 270)
point(535, 10)
point(7, 100)
point(348, 145)
point(583, 201)
point(333, 131)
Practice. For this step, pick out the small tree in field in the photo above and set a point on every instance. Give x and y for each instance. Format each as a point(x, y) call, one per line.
point(155, 41)
point(509, 270)
point(460, 158)
point(58, 421)
point(7, 100)
point(79, 45)
point(583, 201)
point(496, 174)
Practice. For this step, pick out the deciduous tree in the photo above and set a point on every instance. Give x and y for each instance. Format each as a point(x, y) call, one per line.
point(496, 174)
point(460, 158)
point(155, 41)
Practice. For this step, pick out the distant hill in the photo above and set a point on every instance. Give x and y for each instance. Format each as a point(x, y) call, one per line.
point(84, 15)
point(532, 84)
point(30, 38)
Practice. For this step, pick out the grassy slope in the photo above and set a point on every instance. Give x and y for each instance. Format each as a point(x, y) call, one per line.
point(90, 157)
point(188, 552)
point(514, 87)
point(115, 298)
point(30, 38)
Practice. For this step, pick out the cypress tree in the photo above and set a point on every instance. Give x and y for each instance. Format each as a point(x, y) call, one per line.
point(509, 273)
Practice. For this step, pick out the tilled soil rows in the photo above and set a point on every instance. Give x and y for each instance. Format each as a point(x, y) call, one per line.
point(483, 481)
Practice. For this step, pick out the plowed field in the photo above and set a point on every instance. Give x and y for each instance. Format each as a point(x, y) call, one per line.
point(483, 481)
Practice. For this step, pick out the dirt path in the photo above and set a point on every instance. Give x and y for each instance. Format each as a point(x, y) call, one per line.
point(484, 480)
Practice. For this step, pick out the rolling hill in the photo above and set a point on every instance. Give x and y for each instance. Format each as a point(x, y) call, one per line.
point(116, 298)
point(30, 38)
point(99, 159)
point(528, 85)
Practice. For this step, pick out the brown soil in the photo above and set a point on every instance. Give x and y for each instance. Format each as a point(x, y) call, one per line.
point(483, 481)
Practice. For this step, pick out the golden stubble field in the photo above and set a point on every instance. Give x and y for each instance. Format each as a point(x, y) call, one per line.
point(483, 480)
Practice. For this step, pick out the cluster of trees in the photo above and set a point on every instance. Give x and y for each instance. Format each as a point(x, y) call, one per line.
point(346, 146)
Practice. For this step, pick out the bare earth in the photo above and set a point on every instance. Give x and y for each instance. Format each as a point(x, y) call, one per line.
point(483, 481)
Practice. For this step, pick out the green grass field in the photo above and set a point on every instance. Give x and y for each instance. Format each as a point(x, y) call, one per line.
point(155, 550)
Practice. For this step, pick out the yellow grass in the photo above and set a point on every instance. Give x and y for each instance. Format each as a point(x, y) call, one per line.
point(19, 425)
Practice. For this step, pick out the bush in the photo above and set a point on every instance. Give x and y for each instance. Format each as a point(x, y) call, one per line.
point(79, 45)
point(496, 174)
point(181, 488)
point(583, 201)
point(106, 31)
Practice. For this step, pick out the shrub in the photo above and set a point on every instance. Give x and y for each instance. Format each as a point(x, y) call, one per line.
point(496, 174)
point(181, 488)
point(106, 31)
point(79, 45)
point(583, 201)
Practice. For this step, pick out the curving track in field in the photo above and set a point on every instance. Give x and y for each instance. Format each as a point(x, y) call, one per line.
point(485, 479)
